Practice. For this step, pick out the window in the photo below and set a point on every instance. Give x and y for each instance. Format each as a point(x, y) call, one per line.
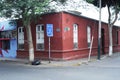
point(20, 38)
point(117, 37)
point(6, 44)
point(40, 37)
point(88, 35)
point(75, 35)
point(6, 34)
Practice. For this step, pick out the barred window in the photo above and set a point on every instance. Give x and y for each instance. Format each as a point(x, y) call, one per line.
point(40, 37)
point(20, 38)
point(88, 35)
point(75, 36)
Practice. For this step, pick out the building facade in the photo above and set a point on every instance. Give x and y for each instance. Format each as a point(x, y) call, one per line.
point(72, 36)
point(8, 39)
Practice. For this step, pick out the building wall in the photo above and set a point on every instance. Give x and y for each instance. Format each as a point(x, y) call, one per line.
point(62, 40)
point(8, 41)
point(56, 40)
point(83, 49)
point(116, 39)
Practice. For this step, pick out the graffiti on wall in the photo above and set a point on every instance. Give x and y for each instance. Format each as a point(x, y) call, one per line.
point(8, 42)
point(10, 51)
point(8, 25)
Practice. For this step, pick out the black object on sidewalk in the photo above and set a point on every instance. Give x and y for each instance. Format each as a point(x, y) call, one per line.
point(36, 62)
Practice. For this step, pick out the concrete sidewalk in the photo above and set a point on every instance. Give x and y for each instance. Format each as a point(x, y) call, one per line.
point(45, 63)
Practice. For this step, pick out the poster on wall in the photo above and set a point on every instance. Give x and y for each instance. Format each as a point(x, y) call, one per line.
point(8, 25)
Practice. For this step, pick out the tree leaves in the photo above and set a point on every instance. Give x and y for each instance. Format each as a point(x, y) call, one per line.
point(105, 2)
point(24, 8)
point(62, 1)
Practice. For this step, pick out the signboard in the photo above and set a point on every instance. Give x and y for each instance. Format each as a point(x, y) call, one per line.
point(49, 30)
point(8, 25)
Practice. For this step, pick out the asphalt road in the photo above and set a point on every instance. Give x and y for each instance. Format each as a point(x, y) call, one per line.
point(105, 69)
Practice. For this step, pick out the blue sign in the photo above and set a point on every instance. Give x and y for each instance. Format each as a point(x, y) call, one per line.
point(49, 30)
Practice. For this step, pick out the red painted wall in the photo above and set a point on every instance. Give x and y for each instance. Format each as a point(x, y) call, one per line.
point(62, 41)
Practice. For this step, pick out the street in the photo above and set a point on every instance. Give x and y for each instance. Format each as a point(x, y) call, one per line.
point(105, 69)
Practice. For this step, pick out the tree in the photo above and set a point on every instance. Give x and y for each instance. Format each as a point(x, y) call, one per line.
point(26, 10)
point(61, 1)
point(113, 11)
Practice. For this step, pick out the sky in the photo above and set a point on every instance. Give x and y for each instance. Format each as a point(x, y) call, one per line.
point(85, 8)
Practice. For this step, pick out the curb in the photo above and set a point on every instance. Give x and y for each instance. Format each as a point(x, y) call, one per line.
point(72, 63)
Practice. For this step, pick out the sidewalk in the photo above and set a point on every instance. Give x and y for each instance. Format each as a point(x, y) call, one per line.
point(45, 63)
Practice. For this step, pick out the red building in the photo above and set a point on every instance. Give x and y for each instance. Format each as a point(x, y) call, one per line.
point(72, 35)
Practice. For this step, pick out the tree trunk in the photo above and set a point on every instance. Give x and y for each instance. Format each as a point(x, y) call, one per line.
point(30, 43)
point(110, 41)
point(110, 25)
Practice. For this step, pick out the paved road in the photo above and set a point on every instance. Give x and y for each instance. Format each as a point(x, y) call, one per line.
point(105, 69)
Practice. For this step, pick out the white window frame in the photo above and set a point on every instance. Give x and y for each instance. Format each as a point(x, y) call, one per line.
point(75, 36)
point(40, 37)
point(117, 37)
point(88, 35)
point(20, 38)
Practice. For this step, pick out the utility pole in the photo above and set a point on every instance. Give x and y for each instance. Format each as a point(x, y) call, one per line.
point(99, 31)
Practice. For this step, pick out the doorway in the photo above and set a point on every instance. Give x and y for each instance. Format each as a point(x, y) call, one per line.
point(102, 41)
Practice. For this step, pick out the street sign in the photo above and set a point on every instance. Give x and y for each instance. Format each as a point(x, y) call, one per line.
point(49, 30)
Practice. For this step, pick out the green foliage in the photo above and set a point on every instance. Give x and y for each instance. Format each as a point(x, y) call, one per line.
point(105, 2)
point(62, 1)
point(25, 9)
point(113, 8)
point(90, 1)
